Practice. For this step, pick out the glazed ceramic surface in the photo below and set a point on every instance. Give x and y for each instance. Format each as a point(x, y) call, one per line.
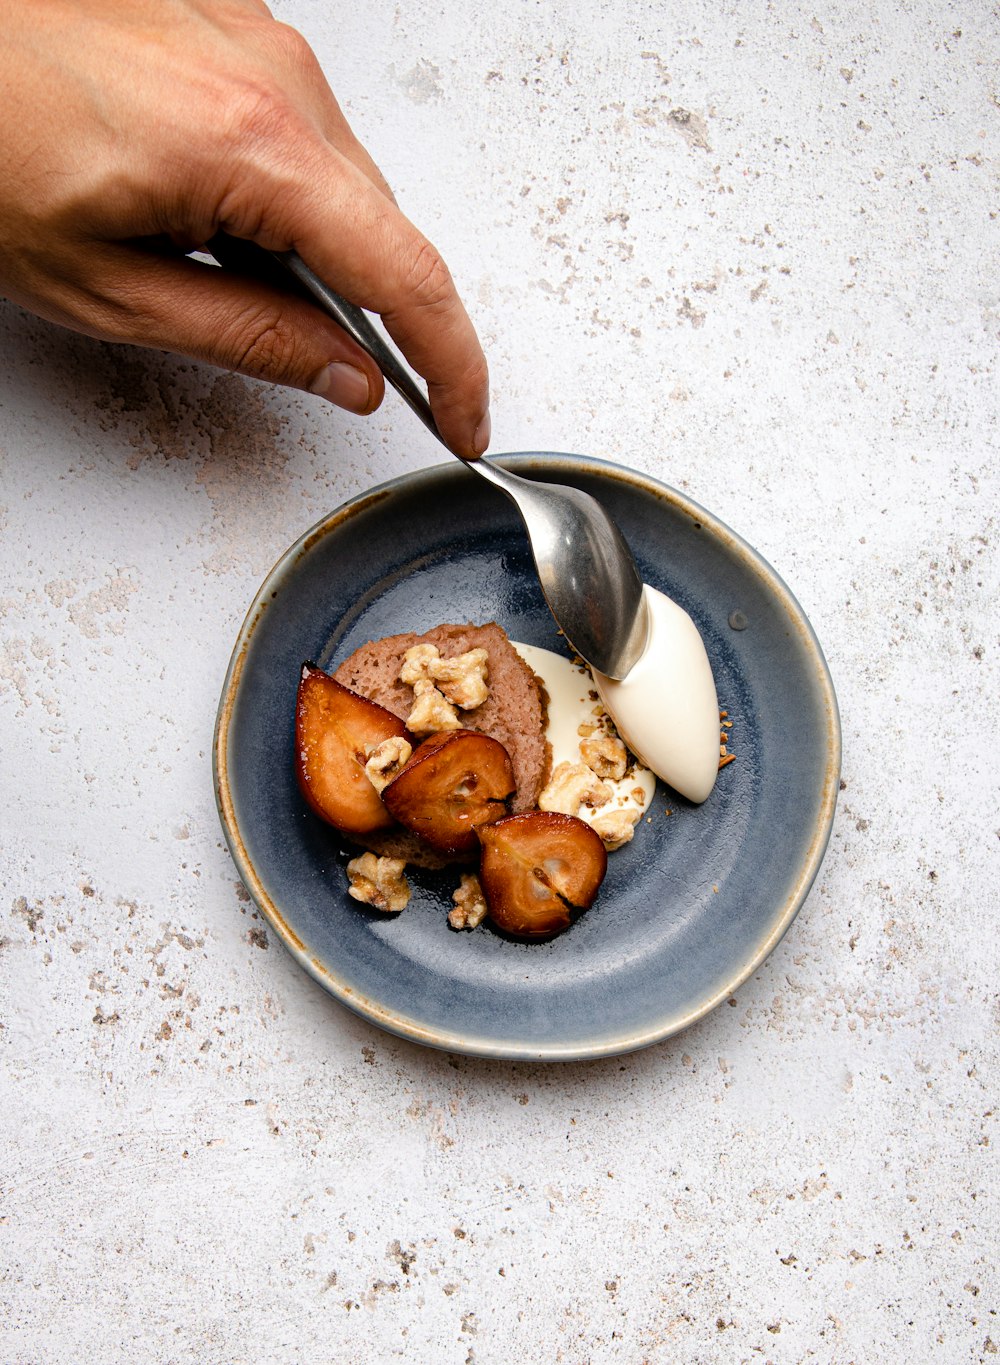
point(687, 910)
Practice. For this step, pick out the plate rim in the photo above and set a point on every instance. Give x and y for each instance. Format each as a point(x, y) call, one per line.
point(409, 1027)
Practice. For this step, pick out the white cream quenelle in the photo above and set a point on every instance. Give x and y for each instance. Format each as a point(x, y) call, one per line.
point(666, 709)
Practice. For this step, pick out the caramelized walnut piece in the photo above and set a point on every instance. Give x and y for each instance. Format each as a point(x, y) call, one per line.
point(605, 755)
point(470, 903)
point(461, 679)
point(417, 664)
point(571, 786)
point(431, 712)
point(616, 827)
point(385, 760)
point(379, 882)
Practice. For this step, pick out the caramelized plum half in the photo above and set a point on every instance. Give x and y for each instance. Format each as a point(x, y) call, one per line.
point(539, 872)
point(453, 783)
point(334, 730)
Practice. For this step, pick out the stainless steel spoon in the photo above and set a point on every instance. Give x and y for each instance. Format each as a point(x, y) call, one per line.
point(586, 569)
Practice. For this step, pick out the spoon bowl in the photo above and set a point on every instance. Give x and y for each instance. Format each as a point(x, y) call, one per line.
point(586, 570)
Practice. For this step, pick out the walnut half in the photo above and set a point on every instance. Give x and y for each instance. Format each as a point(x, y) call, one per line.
point(386, 759)
point(431, 712)
point(616, 827)
point(379, 882)
point(470, 904)
point(571, 786)
point(461, 679)
point(606, 755)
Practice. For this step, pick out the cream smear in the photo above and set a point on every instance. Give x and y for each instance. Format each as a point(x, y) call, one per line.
point(574, 706)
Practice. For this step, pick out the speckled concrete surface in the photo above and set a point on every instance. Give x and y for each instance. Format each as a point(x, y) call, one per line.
point(752, 250)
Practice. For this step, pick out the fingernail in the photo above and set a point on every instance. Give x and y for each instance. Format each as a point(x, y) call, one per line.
point(482, 437)
point(344, 385)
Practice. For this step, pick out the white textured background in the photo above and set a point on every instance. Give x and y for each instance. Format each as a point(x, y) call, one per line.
point(752, 250)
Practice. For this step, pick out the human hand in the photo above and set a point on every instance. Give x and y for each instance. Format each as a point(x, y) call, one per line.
point(134, 130)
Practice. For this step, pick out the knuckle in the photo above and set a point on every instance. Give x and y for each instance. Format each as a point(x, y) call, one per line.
point(264, 145)
point(428, 278)
point(477, 377)
point(262, 344)
point(258, 114)
point(288, 43)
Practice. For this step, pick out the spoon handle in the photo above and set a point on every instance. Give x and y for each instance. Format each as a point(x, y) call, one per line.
point(276, 266)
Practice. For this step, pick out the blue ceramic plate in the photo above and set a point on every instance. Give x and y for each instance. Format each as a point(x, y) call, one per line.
point(688, 909)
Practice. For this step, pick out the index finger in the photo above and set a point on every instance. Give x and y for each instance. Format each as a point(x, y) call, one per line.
point(362, 245)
